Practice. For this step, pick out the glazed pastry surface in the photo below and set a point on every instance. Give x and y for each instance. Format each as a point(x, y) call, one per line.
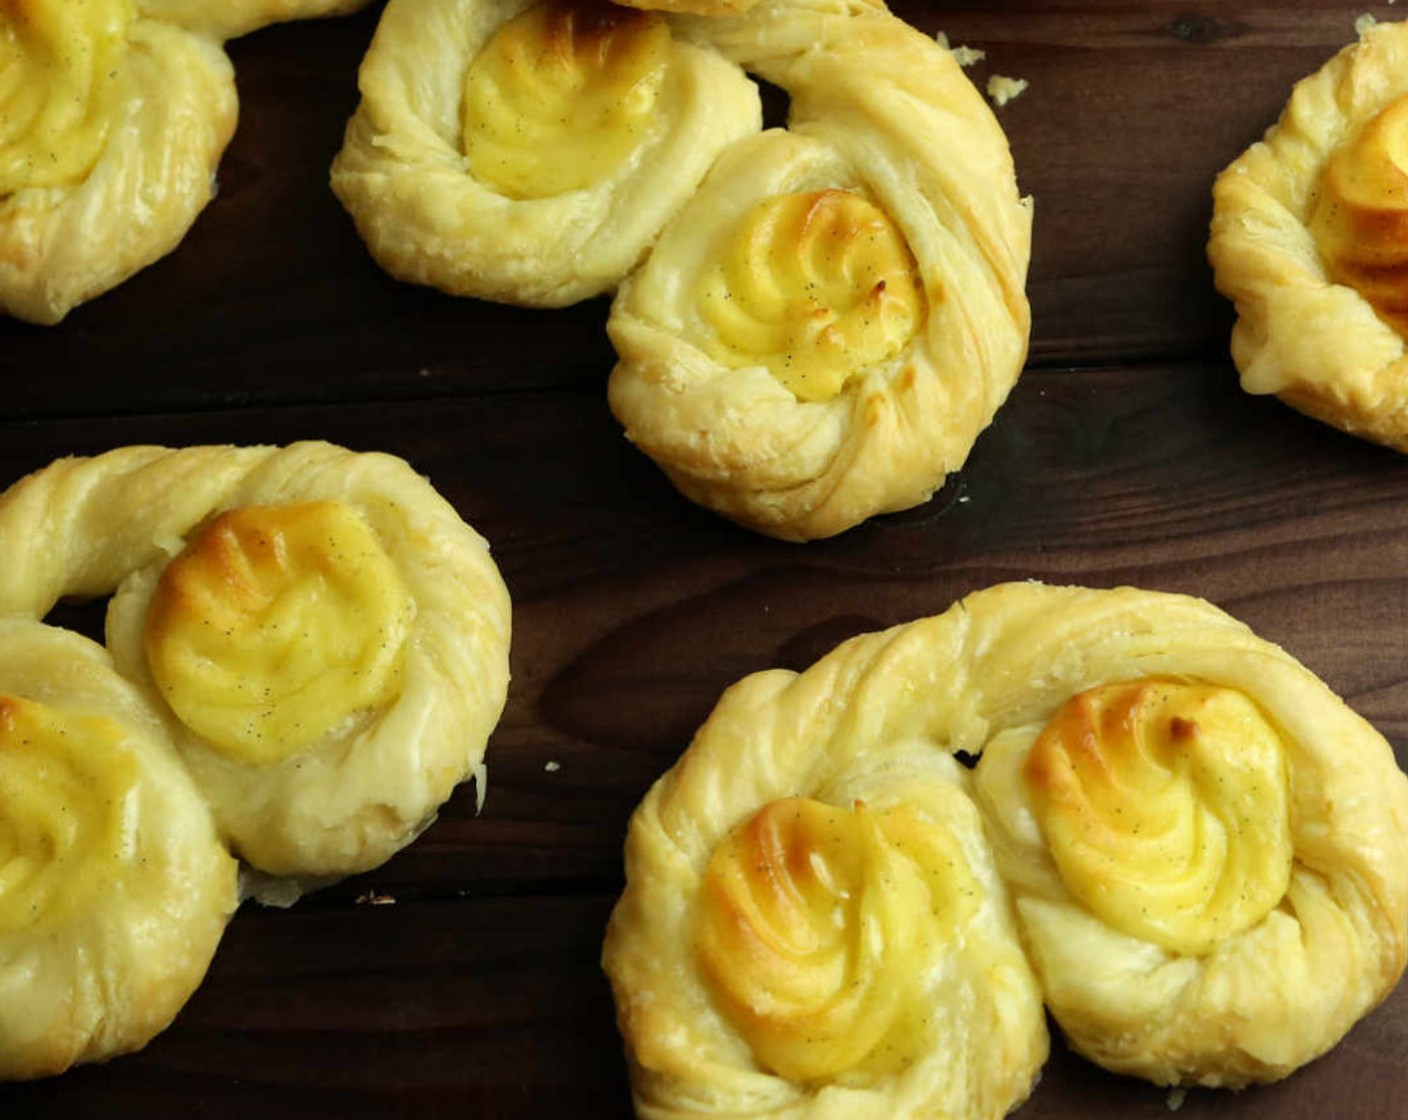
point(113, 117)
point(114, 887)
point(530, 153)
point(1310, 240)
point(812, 924)
point(1206, 851)
point(839, 311)
point(328, 638)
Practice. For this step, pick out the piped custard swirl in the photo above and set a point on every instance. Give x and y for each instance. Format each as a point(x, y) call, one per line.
point(562, 97)
point(1360, 216)
point(814, 928)
point(1166, 808)
point(67, 812)
point(816, 286)
point(276, 625)
point(60, 73)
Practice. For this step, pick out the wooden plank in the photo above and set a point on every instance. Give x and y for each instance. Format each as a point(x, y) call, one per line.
point(1132, 109)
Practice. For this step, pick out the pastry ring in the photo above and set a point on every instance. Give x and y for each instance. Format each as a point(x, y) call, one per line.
point(813, 924)
point(328, 639)
point(114, 887)
point(530, 152)
point(838, 312)
point(1310, 240)
point(1207, 849)
point(113, 117)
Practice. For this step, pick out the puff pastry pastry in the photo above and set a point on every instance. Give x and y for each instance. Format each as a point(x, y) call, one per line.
point(113, 116)
point(1310, 240)
point(839, 311)
point(114, 888)
point(328, 638)
point(813, 925)
point(1206, 849)
point(530, 152)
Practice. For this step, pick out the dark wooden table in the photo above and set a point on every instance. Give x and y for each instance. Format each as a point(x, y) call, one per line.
point(1127, 454)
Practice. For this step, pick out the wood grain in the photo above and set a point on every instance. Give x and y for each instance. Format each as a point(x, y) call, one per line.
point(1127, 454)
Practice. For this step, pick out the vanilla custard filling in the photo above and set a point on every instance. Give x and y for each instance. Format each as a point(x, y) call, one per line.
point(276, 625)
point(68, 789)
point(816, 287)
point(818, 928)
point(562, 97)
point(1359, 219)
point(60, 67)
point(1166, 808)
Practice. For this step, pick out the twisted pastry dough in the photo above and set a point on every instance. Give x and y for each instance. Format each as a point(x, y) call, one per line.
point(114, 889)
point(329, 639)
point(812, 924)
point(1208, 853)
point(113, 117)
point(530, 152)
point(1310, 240)
point(827, 326)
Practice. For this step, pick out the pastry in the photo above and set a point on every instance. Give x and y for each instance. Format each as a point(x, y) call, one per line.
point(113, 116)
point(328, 639)
point(114, 888)
point(1207, 849)
point(1310, 240)
point(812, 924)
point(529, 153)
point(838, 312)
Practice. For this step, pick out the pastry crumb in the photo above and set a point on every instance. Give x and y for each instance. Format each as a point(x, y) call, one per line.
point(552, 766)
point(1176, 1097)
point(1002, 89)
point(964, 56)
point(376, 898)
point(480, 774)
point(1364, 24)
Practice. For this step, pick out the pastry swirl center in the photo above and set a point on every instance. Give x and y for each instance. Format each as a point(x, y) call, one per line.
point(1166, 808)
point(67, 811)
point(60, 66)
point(563, 96)
point(1360, 216)
point(816, 287)
point(818, 927)
point(276, 625)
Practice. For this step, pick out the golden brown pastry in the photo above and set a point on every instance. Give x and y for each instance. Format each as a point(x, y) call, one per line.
point(1310, 240)
point(1207, 848)
point(328, 638)
point(812, 924)
point(114, 888)
point(530, 152)
point(113, 116)
point(839, 311)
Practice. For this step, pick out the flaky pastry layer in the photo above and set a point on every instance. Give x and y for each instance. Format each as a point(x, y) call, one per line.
point(500, 151)
point(812, 924)
point(383, 759)
point(801, 374)
point(1310, 240)
point(114, 887)
point(88, 198)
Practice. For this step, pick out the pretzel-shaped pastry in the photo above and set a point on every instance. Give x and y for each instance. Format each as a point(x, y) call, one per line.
point(1208, 852)
point(327, 637)
point(839, 311)
point(113, 117)
point(812, 923)
point(1310, 240)
point(530, 152)
point(114, 888)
